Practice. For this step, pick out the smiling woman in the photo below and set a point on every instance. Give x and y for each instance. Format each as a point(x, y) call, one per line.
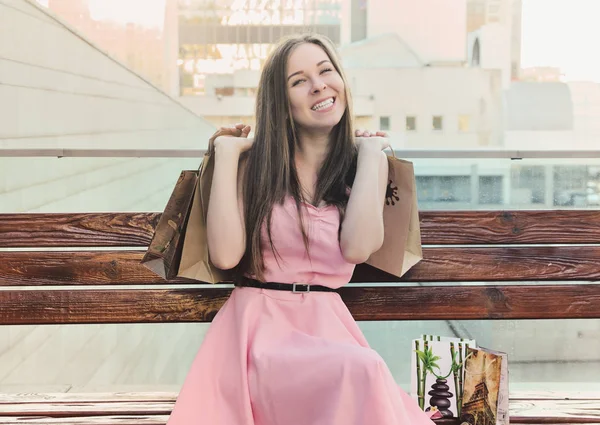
point(291, 218)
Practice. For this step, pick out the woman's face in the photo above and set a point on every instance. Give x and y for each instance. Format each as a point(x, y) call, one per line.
point(315, 89)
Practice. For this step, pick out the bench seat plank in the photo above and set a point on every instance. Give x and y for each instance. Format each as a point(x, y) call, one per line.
point(96, 397)
point(113, 411)
point(87, 408)
point(170, 396)
point(566, 411)
point(87, 420)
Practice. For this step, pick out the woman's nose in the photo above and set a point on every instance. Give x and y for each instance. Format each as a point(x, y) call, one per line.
point(319, 86)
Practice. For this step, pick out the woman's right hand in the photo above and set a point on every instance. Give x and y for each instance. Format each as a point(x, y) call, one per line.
point(235, 137)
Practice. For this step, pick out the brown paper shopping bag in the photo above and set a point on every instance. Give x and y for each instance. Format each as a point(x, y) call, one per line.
point(164, 252)
point(401, 247)
point(195, 262)
point(402, 242)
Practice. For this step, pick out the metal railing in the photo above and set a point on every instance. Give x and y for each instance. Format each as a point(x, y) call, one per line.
point(401, 153)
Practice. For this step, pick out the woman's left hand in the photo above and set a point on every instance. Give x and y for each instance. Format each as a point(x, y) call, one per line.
point(377, 140)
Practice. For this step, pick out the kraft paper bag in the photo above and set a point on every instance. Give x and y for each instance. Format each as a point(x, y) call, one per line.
point(164, 252)
point(401, 247)
point(195, 262)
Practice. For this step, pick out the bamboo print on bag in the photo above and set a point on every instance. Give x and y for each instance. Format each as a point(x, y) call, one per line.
point(420, 393)
point(432, 385)
point(426, 366)
point(456, 373)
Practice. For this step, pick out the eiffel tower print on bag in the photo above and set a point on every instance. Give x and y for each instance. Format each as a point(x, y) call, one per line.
point(485, 393)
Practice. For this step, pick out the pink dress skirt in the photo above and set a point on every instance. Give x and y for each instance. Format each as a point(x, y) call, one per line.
point(279, 358)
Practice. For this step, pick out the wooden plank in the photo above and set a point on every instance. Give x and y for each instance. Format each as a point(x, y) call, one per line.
point(510, 227)
point(77, 230)
point(79, 397)
point(162, 420)
point(565, 263)
point(554, 395)
point(365, 303)
point(89, 420)
point(39, 268)
point(555, 411)
point(170, 397)
point(522, 412)
point(87, 408)
point(437, 227)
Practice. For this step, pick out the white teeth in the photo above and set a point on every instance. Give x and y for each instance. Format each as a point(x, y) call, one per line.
point(323, 104)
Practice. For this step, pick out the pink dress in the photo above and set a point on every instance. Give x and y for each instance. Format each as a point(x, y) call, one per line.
point(278, 358)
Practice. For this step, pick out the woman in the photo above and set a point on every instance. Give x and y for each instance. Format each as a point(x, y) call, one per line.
point(292, 221)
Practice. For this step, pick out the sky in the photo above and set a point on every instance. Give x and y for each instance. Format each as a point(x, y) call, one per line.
point(562, 33)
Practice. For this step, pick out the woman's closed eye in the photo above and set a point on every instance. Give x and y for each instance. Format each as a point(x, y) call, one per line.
point(295, 83)
point(301, 80)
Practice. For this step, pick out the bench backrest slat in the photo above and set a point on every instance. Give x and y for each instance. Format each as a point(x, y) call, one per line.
point(479, 246)
point(365, 303)
point(438, 228)
point(572, 263)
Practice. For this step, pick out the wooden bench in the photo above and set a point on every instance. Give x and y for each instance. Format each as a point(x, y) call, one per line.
point(495, 247)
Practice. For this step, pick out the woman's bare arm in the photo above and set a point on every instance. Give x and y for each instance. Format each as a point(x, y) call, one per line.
point(362, 228)
point(225, 217)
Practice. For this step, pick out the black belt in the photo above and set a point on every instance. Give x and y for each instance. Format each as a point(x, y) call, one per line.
point(293, 287)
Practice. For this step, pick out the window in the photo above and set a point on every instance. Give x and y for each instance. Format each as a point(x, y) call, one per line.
point(224, 91)
point(528, 184)
point(464, 122)
point(384, 123)
point(444, 188)
point(490, 190)
point(438, 122)
point(411, 123)
point(476, 59)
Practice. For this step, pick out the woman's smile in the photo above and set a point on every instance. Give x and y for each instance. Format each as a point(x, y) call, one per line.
point(325, 105)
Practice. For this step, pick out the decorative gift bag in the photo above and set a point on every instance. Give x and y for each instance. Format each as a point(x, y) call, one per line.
point(437, 374)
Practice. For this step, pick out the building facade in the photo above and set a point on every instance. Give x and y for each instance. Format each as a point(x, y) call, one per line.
point(220, 37)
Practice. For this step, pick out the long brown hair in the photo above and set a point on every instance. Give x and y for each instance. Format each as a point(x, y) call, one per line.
point(270, 174)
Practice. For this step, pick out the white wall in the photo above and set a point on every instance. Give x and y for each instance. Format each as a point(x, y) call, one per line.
point(57, 90)
point(435, 29)
point(586, 108)
point(428, 91)
point(494, 48)
point(385, 51)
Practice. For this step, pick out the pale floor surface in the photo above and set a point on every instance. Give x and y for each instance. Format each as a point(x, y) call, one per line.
point(543, 355)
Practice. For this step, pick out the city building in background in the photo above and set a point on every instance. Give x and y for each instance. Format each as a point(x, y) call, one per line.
point(434, 74)
point(220, 37)
point(224, 43)
point(542, 74)
point(150, 51)
point(507, 15)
